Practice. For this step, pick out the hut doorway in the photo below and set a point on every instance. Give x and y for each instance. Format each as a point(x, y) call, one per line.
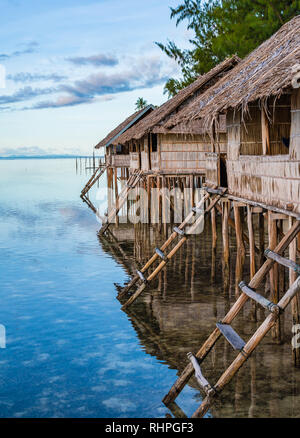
point(223, 171)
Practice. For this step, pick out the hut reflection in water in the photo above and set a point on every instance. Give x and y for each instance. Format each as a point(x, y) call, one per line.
point(177, 313)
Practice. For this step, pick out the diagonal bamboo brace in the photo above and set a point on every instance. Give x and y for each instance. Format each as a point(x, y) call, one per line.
point(168, 242)
point(233, 312)
point(182, 240)
point(248, 349)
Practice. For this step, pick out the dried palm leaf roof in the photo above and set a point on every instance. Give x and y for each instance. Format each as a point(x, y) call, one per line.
point(191, 91)
point(128, 123)
point(267, 71)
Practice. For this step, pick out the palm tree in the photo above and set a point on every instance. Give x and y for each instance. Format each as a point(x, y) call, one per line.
point(140, 103)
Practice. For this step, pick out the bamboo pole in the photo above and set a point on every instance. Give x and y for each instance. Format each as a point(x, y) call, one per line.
point(248, 349)
point(163, 248)
point(225, 233)
point(240, 256)
point(116, 194)
point(274, 284)
point(172, 252)
point(214, 228)
point(295, 300)
point(233, 312)
point(252, 254)
point(232, 225)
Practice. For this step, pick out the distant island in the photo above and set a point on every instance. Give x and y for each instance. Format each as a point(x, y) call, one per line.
point(44, 157)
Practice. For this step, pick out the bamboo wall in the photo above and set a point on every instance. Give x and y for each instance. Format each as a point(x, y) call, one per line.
point(270, 179)
point(184, 152)
point(120, 160)
point(134, 160)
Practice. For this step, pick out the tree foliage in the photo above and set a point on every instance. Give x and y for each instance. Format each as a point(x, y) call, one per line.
point(141, 103)
point(221, 29)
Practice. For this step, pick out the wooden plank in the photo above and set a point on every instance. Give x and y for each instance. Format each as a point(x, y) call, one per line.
point(231, 335)
point(283, 261)
point(258, 298)
point(265, 132)
point(205, 385)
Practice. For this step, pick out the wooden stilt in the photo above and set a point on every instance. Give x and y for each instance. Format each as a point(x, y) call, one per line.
point(166, 258)
point(252, 253)
point(274, 284)
point(214, 228)
point(240, 256)
point(225, 233)
point(296, 299)
point(233, 312)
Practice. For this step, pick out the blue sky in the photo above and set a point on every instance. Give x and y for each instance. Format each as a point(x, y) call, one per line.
point(74, 69)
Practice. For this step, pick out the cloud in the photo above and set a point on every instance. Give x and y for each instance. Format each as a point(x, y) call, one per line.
point(25, 93)
point(35, 77)
point(96, 60)
point(61, 102)
point(137, 73)
point(143, 73)
point(29, 48)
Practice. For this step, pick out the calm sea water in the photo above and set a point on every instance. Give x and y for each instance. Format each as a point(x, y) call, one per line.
point(72, 352)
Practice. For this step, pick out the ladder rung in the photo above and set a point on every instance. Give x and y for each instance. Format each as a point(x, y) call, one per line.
point(160, 254)
point(282, 260)
point(198, 374)
point(214, 191)
point(179, 231)
point(197, 210)
point(142, 277)
point(258, 298)
point(232, 337)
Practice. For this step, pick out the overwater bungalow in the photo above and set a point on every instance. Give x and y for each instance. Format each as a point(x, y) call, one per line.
point(155, 149)
point(117, 153)
point(260, 98)
point(246, 120)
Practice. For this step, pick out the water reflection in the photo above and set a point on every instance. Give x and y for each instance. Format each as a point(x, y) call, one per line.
point(177, 313)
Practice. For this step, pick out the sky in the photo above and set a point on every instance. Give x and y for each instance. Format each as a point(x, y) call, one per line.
point(75, 68)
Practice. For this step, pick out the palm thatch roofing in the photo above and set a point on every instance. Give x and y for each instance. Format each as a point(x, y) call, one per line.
point(159, 115)
point(128, 123)
point(267, 71)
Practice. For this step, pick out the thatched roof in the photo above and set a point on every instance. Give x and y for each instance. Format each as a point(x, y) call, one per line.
point(128, 123)
point(265, 72)
point(159, 115)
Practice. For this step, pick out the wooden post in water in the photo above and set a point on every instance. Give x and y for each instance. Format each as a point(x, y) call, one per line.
point(240, 255)
point(214, 243)
point(296, 300)
point(116, 193)
point(274, 284)
point(252, 254)
point(225, 235)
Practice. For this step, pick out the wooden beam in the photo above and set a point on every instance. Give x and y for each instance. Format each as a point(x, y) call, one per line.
point(265, 131)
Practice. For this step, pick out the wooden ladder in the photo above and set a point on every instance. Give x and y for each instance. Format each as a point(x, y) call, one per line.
point(94, 178)
point(159, 252)
point(121, 199)
point(224, 328)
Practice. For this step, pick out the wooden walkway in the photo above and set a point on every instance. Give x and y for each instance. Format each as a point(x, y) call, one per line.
point(94, 178)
